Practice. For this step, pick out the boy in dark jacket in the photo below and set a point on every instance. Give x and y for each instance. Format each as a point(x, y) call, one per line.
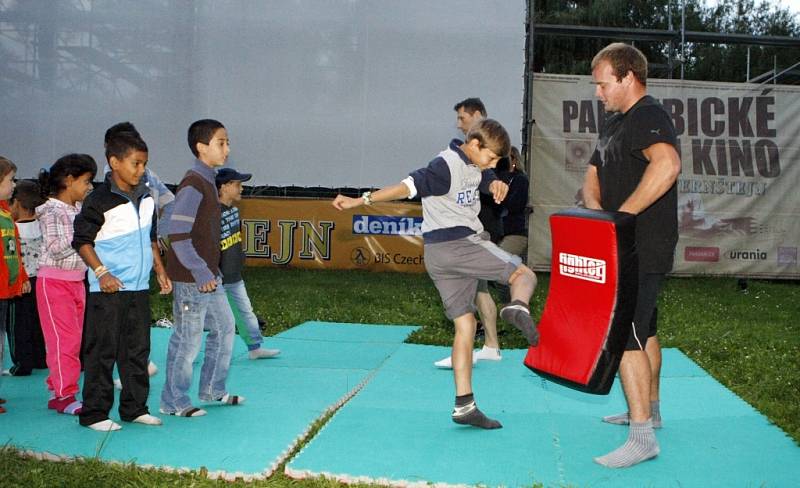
point(115, 234)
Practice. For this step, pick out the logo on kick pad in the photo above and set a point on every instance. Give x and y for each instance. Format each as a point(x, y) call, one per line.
point(582, 268)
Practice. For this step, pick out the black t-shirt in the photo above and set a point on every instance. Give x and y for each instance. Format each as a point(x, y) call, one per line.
point(232, 254)
point(490, 217)
point(620, 166)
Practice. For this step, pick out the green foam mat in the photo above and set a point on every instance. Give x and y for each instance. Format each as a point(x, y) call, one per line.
point(321, 365)
point(398, 431)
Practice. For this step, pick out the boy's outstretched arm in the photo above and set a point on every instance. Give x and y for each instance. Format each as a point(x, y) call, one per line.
point(394, 192)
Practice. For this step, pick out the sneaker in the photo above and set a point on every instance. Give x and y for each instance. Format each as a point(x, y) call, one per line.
point(228, 399)
point(487, 354)
point(447, 363)
point(6, 372)
point(163, 322)
point(147, 419)
point(106, 425)
point(152, 369)
point(186, 412)
point(262, 353)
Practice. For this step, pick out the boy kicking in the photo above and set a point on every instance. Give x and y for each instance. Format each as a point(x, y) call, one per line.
point(456, 257)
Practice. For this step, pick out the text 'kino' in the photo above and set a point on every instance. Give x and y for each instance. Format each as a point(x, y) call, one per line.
point(581, 267)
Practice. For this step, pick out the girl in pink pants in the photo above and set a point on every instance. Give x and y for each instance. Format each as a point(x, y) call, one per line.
point(60, 292)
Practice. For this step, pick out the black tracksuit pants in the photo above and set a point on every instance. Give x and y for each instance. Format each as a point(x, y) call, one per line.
point(25, 339)
point(117, 330)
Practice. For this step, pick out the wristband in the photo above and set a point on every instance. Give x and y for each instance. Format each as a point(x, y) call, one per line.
point(367, 197)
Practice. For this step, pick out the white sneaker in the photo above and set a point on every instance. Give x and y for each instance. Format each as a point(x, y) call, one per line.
point(487, 354)
point(163, 322)
point(447, 363)
point(262, 353)
point(147, 419)
point(106, 425)
point(152, 369)
point(484, 354)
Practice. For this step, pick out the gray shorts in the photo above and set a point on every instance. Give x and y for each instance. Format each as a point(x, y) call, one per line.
point(457, 266)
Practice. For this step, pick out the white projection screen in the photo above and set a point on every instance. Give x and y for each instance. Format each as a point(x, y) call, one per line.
point(313, 92)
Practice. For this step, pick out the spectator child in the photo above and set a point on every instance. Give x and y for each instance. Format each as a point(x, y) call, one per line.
point(115, 234)
point(13, 280)
point(229, 185)
point(60, 291)
point(24, 331)
point(193, 266)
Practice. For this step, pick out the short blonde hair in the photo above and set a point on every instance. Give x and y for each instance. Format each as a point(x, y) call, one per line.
point(491, 135)
point(623, 58)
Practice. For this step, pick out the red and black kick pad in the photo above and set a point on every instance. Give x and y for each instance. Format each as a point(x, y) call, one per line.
point(589, 309)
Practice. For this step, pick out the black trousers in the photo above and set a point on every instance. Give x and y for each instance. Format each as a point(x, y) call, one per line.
point(117, 330)
point(25, 339)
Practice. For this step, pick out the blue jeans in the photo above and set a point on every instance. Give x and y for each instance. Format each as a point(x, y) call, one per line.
point(192, 310)
point(246, 320)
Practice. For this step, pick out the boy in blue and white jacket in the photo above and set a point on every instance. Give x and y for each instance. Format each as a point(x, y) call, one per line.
point(116, 236)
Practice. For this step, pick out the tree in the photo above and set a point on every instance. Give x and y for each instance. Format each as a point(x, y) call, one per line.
point(572, 55)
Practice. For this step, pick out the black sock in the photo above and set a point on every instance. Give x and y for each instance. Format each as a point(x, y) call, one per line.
point(464, 400)
point(466, 412)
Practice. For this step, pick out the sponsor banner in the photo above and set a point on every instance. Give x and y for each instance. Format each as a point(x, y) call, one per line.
point(310, 233)
point(738, 198)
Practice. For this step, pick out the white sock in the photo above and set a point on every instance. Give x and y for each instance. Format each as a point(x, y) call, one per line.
point(106, 425)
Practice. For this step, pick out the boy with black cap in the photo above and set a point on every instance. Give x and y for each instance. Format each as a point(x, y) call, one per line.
point(229, 185)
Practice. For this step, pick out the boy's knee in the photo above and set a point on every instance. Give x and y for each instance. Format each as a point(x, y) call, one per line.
point(465, 324)
point(523, 273)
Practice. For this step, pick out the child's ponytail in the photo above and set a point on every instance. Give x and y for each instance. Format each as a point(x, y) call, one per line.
point(54, 181)
point(44, 182)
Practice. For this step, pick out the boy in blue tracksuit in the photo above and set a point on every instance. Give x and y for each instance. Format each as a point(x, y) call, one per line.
point(115, 234)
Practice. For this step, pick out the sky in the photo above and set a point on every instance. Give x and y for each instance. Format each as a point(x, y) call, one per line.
point(794, 5)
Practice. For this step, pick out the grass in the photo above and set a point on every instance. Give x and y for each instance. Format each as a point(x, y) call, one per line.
point(750, 342)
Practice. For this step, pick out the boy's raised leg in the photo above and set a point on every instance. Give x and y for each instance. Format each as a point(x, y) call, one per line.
point(517, 312)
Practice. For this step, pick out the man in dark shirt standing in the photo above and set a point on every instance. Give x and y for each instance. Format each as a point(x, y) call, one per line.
point(634, 169)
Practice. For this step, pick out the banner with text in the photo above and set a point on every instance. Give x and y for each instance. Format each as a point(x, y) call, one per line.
point(308, 233)
point(738, 198)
